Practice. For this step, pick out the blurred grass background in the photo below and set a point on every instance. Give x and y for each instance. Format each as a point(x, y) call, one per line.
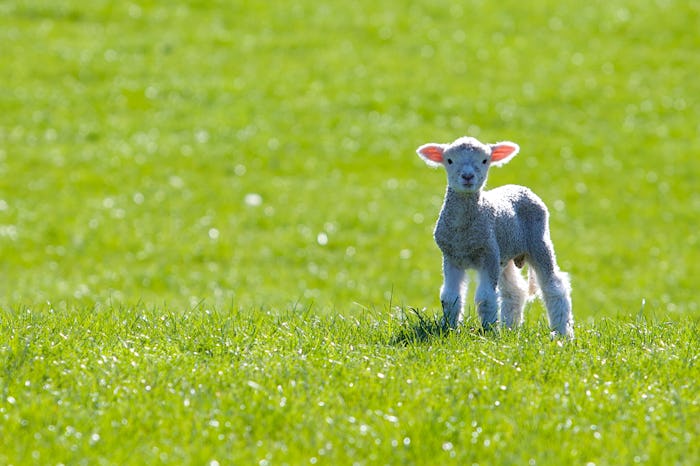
point(261, 154)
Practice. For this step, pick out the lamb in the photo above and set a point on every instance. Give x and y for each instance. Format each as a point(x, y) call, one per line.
point(494, 232)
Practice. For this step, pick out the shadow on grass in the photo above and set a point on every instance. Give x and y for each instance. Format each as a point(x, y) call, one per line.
point(417, 327)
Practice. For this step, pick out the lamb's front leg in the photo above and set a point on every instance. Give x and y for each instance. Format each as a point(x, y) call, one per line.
point(486, 296)
point(452, 293)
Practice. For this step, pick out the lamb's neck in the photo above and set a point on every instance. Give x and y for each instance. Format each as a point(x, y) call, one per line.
point(462, 205)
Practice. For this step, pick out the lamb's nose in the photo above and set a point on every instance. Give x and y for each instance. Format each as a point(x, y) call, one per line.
point(467, 176)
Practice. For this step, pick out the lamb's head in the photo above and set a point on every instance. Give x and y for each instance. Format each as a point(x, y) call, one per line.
point(467, 160)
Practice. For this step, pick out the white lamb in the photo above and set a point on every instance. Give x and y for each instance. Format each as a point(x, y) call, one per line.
point(494, 232)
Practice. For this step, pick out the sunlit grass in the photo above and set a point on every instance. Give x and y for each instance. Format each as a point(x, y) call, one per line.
point(214, 231)
point(132, 135)
point(135, 385)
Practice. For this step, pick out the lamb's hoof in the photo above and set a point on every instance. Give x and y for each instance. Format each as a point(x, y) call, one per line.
point(450, 323)
point(489, 328)
point(556, 335)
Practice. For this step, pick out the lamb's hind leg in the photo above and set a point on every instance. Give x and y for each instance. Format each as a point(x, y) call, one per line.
point(513, 291)
point(556, 290)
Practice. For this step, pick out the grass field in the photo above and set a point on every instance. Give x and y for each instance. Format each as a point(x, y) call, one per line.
point(122, 386)
point(214, 229)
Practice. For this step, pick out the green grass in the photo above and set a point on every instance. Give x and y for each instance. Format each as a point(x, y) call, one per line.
point(256, 160)
point(130, 132)
point(149, 386)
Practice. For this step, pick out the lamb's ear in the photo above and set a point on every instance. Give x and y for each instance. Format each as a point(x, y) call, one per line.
point(432, 154)
point(502, 152)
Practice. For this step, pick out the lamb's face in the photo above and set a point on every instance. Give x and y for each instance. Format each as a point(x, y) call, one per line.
point(467, 160)
point(467, 166)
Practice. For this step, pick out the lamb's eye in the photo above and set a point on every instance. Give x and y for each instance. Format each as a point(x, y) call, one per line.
point(449, 161)
point(485, 160)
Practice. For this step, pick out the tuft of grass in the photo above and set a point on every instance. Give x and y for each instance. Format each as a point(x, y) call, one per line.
point(135, 385)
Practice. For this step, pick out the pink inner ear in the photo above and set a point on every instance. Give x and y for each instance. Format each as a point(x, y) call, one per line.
point(501, 151)
point(432, 152)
